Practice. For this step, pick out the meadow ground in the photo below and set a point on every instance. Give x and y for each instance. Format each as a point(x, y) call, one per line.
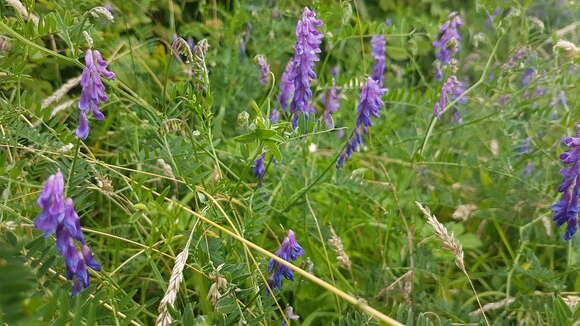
point(273, 162)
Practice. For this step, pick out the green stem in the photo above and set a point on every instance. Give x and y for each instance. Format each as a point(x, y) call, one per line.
point(428, 135)
point(72, 168)
point(476, 297)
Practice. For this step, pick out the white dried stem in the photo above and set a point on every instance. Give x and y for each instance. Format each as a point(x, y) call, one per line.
point(493, 306)
point(61, 92)
point(61, 107)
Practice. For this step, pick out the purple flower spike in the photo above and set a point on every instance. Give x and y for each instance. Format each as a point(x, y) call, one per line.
point(290, 251)
point(451, 90)
point(566, 210)
point(264, 70)
point(369, 106)
point(448, 43)
point(93, 90)
point(51, 201)
point(259, 169)
point(331, 104)
point(59, 215)
point(301, 66)
point(378, 49)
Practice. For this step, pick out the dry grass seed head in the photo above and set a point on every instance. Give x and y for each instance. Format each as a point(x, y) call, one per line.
point(449, 242)
point(164, 317)
point(336, 244)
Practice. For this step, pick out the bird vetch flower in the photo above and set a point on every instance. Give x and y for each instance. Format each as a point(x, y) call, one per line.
point(448, 43)
point(369, 106)
point(290, 251)
point(566, 210)
point(59, 215)
point(300, 69)
point(93, 90)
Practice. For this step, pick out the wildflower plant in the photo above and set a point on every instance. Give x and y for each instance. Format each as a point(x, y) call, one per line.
point(290, 251)
point(197, 166)
point(59, 216)
point(93, 90)
point(369, 107)
point(447, 46)
point(300, 69)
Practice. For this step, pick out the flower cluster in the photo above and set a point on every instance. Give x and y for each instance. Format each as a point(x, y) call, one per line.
point(290, 250)
point(264, 69)
point(452, 89)
point(378, 44)
point(331, 104)
point(59, 215)
point(448, 43)
point(93, 90)
point(369, 106)
point(300, 69)
point(566, 210)
point(448, 46)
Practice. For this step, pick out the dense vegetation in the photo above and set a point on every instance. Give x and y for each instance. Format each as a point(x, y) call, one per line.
point(187, 188)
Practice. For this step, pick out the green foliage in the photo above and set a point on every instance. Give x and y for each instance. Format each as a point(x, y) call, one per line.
point(176, 140)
